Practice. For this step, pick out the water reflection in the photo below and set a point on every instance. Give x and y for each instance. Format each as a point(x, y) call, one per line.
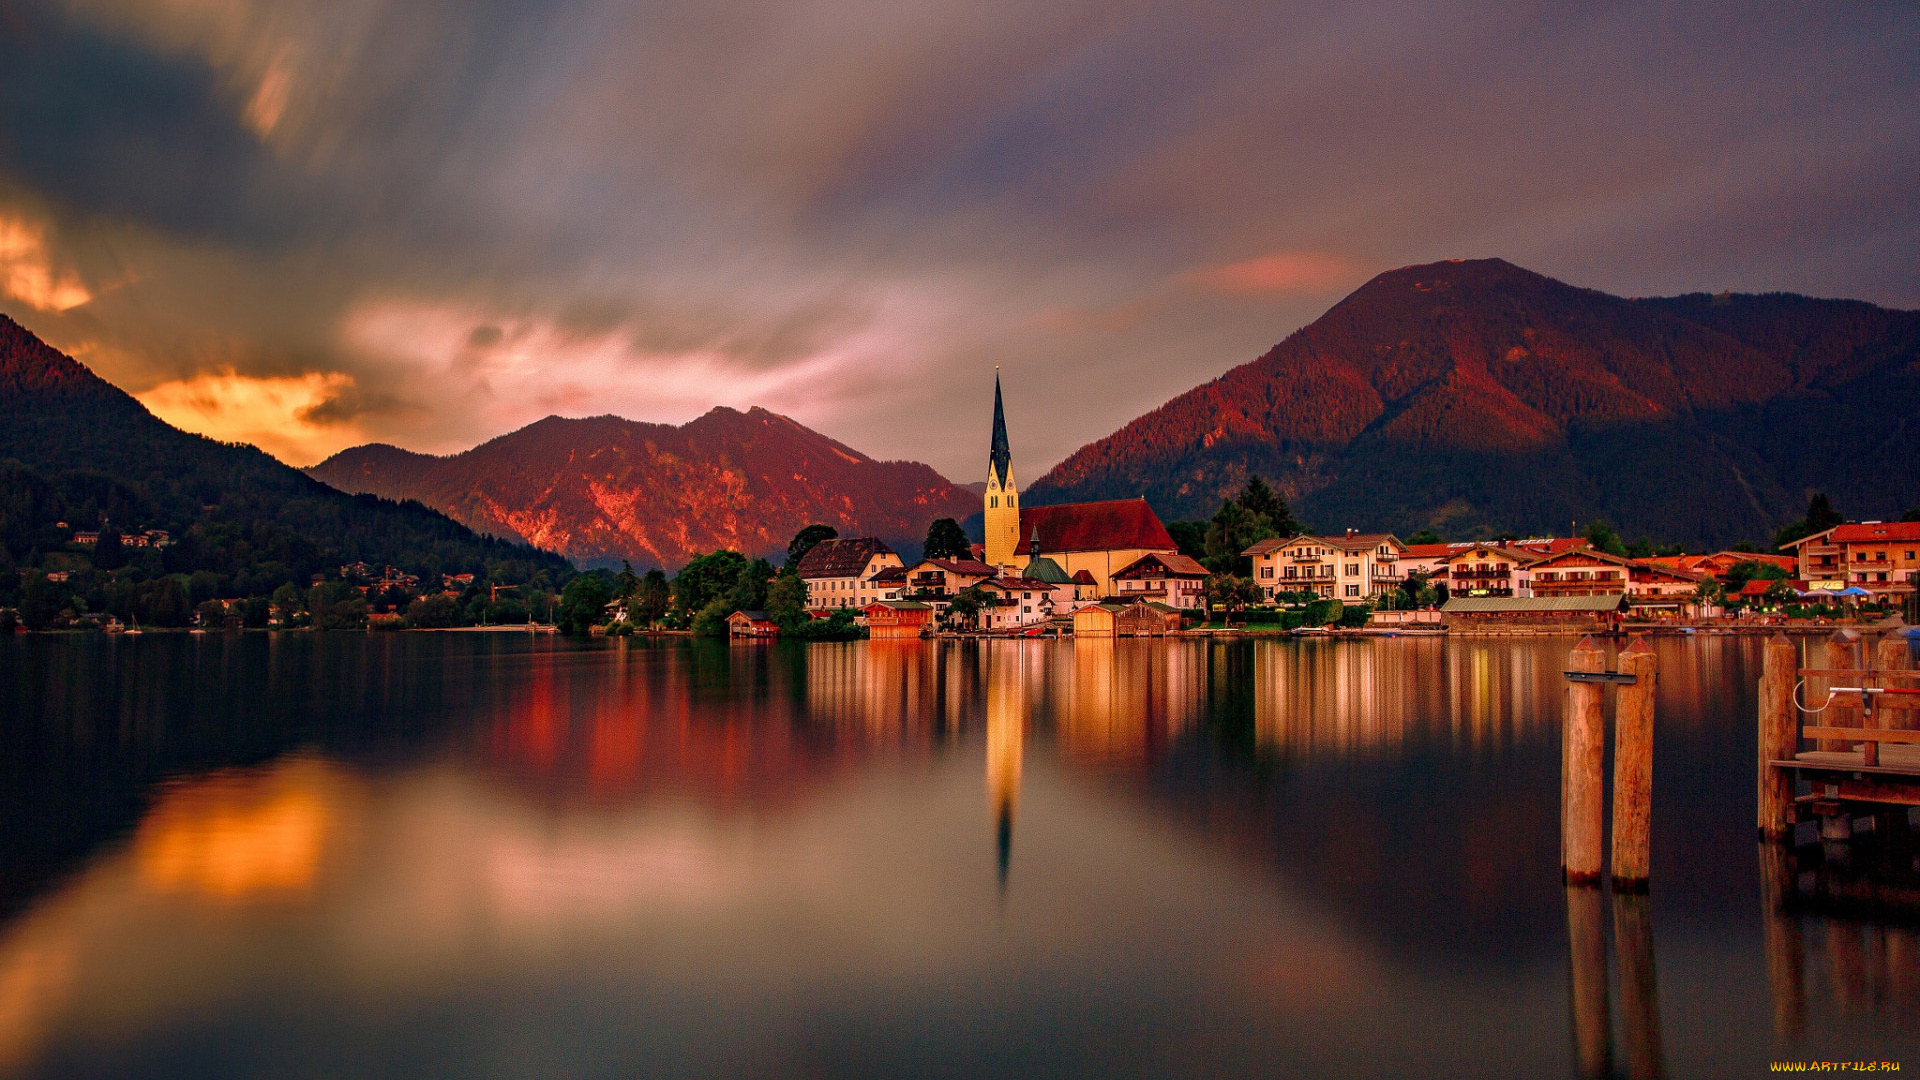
point(1331, 858)
point(239, 835)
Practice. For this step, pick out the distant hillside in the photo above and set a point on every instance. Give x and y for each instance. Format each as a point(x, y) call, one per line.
point(73, 445)
point(1474, 397)
point(605, 489)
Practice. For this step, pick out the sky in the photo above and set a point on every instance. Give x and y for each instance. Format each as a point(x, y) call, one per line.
point(310, 224)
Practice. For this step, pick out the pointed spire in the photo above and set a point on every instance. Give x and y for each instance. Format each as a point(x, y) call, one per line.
point(1000, 458)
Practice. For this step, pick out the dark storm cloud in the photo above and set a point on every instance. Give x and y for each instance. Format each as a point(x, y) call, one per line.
point(449, 216)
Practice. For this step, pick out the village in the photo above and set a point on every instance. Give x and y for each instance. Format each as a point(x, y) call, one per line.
point(1112, 569)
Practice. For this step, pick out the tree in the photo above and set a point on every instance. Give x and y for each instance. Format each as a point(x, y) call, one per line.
point(1821, 516)
point(947, 540)
point(286, 599)
point(651, 599)
point(1602, 537)
point(787, 602)
point(1708, 593)
point(1264, 503)
point(1190, 537)
point(1911, 515)
point(107, 551)
point(706, 579)
point(582, 603)
point(966, 605)
point(749, 591)
point(1230, 593)
point(711, 621)
point(435, 612)
point(625, 583)
point(806, 540)
point(1232, 529)
point(1425, 536)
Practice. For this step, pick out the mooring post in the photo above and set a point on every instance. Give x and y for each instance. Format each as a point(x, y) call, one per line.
point(1779, 736)
point(1842, 653)
point(1633, 768)
point(1582, 759)
point(1587, 984)
point(1891, 655)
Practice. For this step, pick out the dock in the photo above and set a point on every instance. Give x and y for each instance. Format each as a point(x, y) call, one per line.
point(1861, 713)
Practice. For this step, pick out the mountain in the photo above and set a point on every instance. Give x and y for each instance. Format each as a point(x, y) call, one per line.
point(603, 489)
point(1475, 397)
point(74, 447)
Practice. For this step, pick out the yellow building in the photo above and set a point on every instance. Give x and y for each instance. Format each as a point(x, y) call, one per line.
point(1094, 539)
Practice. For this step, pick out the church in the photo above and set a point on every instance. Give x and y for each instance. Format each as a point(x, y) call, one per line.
point(1090, 542)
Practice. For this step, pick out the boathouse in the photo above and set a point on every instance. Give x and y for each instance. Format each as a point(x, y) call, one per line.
point(897, 619)
point(1534, 615)
point(752, 624)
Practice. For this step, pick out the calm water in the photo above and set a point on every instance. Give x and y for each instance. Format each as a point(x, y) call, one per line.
point(487, 855)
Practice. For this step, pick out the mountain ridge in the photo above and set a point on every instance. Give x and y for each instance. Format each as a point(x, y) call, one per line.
point(70, 438)
point(1477, 396)
point(605, 488)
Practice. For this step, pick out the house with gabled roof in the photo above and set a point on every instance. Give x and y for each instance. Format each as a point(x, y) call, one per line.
point(1352, 567)
point(1174, 580)
point(838, 573)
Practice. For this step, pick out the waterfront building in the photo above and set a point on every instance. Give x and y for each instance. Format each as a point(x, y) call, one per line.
point(1878, 556)
point(1486, 569)
point(939, 579)
point(897, 619)
point(1174, 580)
point(1354, 567)
point(751, 624)
point(839, 573)
point(1584, 571)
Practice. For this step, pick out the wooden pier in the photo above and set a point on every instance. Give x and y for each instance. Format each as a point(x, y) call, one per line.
point(1861, 712)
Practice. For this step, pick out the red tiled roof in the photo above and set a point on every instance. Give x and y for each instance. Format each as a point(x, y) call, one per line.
point(1148, 564)
point(1096, 526)
point(1428, 551)
point(1877, 532)
point(841, 558)
point(1082, 577)
point(967, 567)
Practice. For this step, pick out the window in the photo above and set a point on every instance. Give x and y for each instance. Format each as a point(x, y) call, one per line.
point(993, 501)
point(1290, 570)
point(1909, 555)
point(1353, 590)
point(1353, 569)
point(1859, 556)
point(1879, 556)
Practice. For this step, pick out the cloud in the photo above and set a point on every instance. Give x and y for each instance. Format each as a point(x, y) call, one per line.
point(849, 210)
point(27, 273)
point(294, 418)
point(1285, 272)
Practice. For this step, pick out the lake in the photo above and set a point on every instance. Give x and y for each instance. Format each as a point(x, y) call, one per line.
point(463, 854)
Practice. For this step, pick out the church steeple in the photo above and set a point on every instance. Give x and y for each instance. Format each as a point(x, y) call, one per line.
point(1000, 457)
point(1002, 499)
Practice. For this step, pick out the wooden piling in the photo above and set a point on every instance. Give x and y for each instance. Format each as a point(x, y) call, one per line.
point(1582, 760)
point(1587, 984)
point(1779, 737)
point(1844, 711)
point(1633, 769)
point(1639, 997)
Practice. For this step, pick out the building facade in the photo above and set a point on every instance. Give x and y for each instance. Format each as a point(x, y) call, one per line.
point(840, 573)
point(1174, 580)
point(1353, 568)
